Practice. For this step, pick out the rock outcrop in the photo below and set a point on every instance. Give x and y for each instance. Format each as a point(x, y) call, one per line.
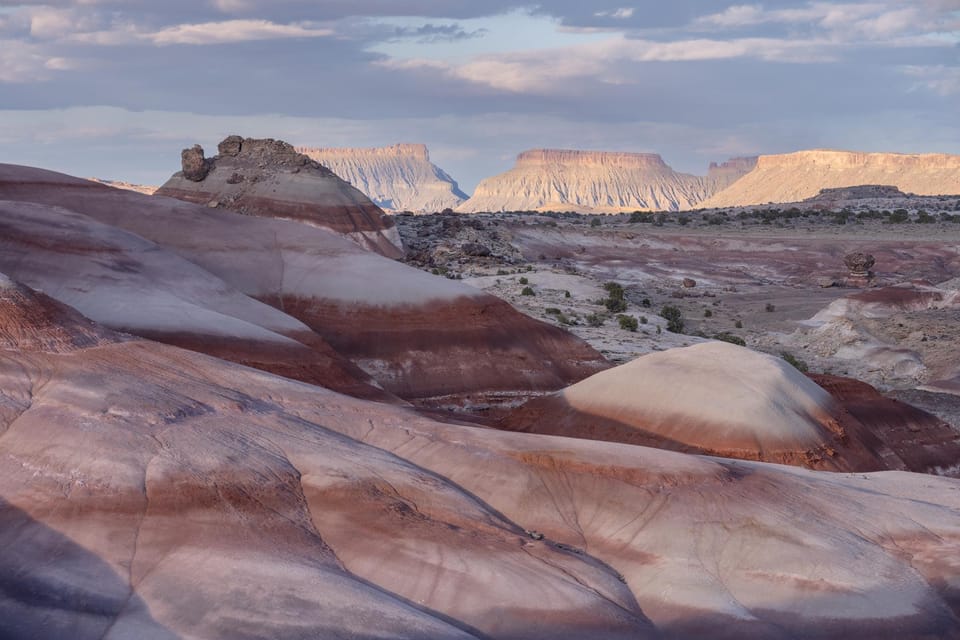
point(596, 181)
point(152, 492)
point(721, 399)
point(399, 177)
point(269, 178)
point(793, 177)
point(145, 189)
point(425, 338)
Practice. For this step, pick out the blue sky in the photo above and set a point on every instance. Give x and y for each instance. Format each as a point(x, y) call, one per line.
point(115, 88)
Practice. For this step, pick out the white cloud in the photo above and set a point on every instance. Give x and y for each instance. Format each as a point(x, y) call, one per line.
point(940, 79)
point(620, 14)
point(610, 61)
point(233, 31)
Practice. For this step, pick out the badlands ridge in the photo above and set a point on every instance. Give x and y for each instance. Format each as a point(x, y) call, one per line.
point(226, 411)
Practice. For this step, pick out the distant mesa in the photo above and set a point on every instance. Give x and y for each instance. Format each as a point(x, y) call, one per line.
point(793, 177)
point(599, 182)
point(399, 177)
point(146, 190)
point(720, 399)
point(269, 178)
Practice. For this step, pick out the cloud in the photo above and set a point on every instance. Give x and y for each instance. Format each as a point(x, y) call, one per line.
point(233, 31)
point(620, 14)
point(940, 79)
point(609, 61)
point(23, 63)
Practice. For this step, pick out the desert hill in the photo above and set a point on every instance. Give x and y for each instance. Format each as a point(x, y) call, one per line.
point(150, 491)
point(721, 399)
point(268, 178)
point(595, 181)
point(228, 283)
point(399, 177)
point(793, 177)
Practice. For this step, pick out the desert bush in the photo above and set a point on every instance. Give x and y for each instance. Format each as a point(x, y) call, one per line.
point(795, 362)
point(770, 308)
point(731, 338)
point(616, 301)
point(528, 291)
point(628, 323)
point(595, 222)
point(659, 219)
point(674, 318)
point(738, 324)
point(523, 281)
point(925, 218)
point(553, 311)
point(707, 313)
point(595, 320)
point(566, 294)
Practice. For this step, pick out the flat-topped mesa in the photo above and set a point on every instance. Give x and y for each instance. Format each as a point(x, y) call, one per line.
point(401, 150)
point(270, 178)
point(399, 177)
point(596, 182)
point(793, 177)
point(739, 166)
point(539, 157)
point(859, 192)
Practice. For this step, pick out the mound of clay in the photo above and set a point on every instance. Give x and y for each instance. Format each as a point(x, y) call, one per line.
point(596, 181)
point(270, 178)
point(152, 492)
point(399, 177)
point(793, 177)
point(422, 337)
point(714, 398)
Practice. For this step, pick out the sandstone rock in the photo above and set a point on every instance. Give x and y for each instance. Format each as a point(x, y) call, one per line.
point(195, 166)
point(399, 177)
point(859, 264)
point(230, 146)
point(688, 283)
point(797, 176)
point(277, 181)
point(593, 181)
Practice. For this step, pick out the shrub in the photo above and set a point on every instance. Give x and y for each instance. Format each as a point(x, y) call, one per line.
point(638, 216)
point(729, 337)
point(645, 303)
point(523, 281)
point(595, 222)
point(683, 220)
point(925, 218)
point(566, 294)
point(616, 302)
point(770, 308)
point(798, 364)
point(527, 291)
point(502, 272)
point(595, 320)
point(707, 313)
point(628, 323)
point(643, 319)
point(553, 311)
point(659, 219)
point(738, 324)
point(898, 216)
point(674, 318)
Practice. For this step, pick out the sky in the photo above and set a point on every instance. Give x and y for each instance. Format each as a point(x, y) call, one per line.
point(116, 88)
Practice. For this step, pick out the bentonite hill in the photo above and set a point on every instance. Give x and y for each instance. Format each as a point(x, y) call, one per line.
point(228, 410)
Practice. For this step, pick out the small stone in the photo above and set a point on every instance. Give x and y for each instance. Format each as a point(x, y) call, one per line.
point(689, 283)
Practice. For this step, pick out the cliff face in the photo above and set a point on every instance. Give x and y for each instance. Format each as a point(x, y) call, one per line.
point(596, 181)
point(399, 177)
point(268, 178)
point(797, 176)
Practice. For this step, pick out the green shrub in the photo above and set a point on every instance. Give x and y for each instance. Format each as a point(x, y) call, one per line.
point(731, 338)
point(553, 311)
point(595, 222)
point(616, 301)
point(566, 294)
point(628, 323)
point(770, 308)
point(595, 320)
point(528, 291)
point(798, 364)
point(523, 281)
point(674, 318)
point(707, 313)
